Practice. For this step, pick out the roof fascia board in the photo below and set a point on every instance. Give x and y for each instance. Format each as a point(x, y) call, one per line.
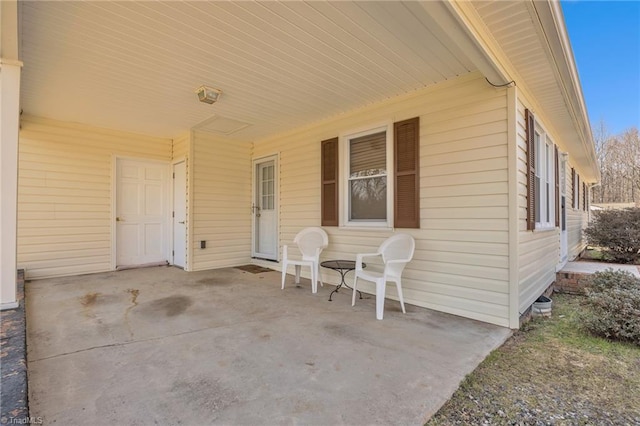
point(550, 25)
point(455, 30)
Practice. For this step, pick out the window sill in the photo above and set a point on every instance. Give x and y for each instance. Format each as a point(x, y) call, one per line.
point(369, 227)
point(544, 228)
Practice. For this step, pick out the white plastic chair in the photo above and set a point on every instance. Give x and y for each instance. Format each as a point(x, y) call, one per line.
point(310, 242)
point(396, 252)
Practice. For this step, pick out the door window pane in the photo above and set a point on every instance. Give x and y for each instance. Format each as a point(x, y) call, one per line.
point(268, 188)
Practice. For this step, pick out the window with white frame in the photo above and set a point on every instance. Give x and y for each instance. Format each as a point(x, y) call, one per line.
point(367, 162)
point(544, 181)
point(371, 177)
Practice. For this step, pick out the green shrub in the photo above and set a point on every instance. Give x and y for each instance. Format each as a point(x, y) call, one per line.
point(618, 232)
point(613, 302)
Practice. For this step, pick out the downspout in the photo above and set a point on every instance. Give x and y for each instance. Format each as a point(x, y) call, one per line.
point(514, 237)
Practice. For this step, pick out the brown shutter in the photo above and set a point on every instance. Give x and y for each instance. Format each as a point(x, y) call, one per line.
point(557, 198)
point(573, 188)
point(406, 147)
point(584, 196)
point(531, 169)
point(329, 178)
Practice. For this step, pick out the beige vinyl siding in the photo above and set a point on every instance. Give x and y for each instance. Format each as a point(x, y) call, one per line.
point(461, 260)
point(64, 194)
point(538, 251)
point(180, 147)
point(220, 203)
point(577, 219)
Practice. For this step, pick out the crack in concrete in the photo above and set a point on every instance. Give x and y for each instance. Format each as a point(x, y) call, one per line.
point(111, 345)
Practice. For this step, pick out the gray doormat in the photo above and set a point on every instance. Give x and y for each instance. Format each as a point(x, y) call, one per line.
point(254, 269)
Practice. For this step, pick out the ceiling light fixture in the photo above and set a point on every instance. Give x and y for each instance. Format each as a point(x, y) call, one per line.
point(208, 95)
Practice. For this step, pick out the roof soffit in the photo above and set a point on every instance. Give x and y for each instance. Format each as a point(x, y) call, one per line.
point(134, 65)
point(535, 52)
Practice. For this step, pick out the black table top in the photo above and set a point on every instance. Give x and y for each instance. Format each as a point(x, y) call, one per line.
point(340, 264)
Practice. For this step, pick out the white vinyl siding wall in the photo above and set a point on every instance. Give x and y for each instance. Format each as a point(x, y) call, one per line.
point(180, 148)
point(220, 205)
point(577, 219)
point(64, 194)
point(461, 260)
point(538, 251)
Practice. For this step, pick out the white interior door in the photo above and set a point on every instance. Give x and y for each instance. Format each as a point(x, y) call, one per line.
point(180, 214)
point(265, 207)
point(141, 213)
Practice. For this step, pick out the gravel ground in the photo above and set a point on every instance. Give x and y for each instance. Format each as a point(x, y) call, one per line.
point(551, 373)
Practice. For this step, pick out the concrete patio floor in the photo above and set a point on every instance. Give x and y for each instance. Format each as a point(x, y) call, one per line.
point(162, 346)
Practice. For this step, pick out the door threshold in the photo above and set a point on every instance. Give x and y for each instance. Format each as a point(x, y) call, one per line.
point(264, 258)
point(144, 265)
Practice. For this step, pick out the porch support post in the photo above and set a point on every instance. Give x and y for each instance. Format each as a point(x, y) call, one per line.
point(9, 127)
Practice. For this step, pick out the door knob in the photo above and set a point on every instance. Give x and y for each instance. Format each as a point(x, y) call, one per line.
point(182, 222)
point(119, 220)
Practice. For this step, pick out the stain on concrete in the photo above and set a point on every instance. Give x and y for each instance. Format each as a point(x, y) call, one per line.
point(134, 302)
point(170, 306)
point(305, 407)
point(204, 394)
point(213, 281)
point(134, 295)
point(89, 299)
point(92, 299)
point(343, 331)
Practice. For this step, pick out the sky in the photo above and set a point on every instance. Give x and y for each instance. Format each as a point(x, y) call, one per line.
point(605, 37)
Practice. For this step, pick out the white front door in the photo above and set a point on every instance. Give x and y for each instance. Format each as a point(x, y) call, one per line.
point(180, 214)
point(265, 208)
point(141, 213)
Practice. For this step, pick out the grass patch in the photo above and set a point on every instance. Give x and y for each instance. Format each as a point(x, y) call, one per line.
point(596, 254)
point(551, 372)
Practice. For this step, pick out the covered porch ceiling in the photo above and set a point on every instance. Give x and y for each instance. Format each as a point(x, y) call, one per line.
point(135, 66)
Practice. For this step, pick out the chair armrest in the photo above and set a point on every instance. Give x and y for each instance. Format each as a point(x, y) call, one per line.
point(362, 255)
point(399, 261)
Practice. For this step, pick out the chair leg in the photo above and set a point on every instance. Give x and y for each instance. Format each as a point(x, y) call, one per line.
point(319, 275)
point(399, 286)
point(297, 274)
point(353, 295)
point(381, 287)
point(284, 273)
point(314, 282)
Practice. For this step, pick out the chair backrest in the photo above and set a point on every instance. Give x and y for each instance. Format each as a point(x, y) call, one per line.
point(397, 247)
point(310, 239)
